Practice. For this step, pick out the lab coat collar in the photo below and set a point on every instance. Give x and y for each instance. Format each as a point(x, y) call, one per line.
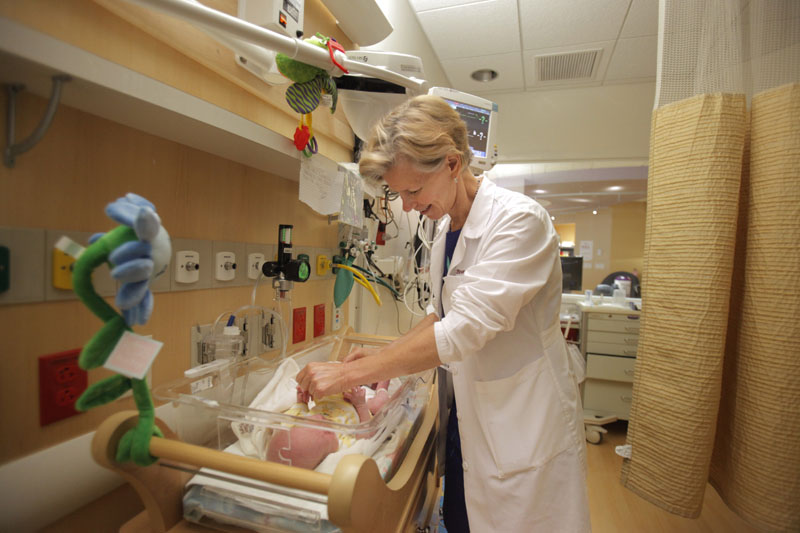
point(481, 212)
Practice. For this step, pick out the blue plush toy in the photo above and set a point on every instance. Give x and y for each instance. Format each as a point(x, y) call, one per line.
point(139, 251)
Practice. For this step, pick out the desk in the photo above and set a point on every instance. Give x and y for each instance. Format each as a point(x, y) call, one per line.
point(609, 339)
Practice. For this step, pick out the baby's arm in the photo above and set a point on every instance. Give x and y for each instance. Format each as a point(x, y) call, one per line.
point(357, 396)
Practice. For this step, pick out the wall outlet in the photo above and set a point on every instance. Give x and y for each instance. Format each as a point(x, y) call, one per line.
point(62, 270)
point(337, 319)
point(319, 320)
point(298, 325)
point(187, 266)
point(61, 382)
point(226, 266)
point(254, 262)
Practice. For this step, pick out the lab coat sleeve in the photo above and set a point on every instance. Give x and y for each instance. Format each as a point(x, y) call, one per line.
point(514, 262)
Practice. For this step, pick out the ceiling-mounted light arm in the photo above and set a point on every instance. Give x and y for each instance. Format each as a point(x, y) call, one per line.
point(226, 27)
point(13, 150)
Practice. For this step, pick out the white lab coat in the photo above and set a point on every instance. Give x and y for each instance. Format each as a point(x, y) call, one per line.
point(519, 412)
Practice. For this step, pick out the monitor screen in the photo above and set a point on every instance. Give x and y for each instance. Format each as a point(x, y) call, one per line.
point(571, 273)
point(480, 117)
point(477, 121)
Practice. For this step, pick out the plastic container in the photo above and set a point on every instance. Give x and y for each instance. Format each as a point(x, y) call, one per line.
point(228, 345)
point(213, 409)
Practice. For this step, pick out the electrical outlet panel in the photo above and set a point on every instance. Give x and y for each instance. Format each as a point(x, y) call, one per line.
point(254, 262)
point(61, 382)
point(319, 320)
point(298, 325)
point(225, 266)
point(337, 319)
point(187, 266)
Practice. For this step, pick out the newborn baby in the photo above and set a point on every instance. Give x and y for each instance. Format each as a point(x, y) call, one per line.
point(306, 447)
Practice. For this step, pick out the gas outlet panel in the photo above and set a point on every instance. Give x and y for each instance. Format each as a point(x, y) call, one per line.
point(254, 262)
point(226, 266)
point(187, 266)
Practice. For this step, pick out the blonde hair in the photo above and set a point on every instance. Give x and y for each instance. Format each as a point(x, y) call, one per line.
point(425, 130)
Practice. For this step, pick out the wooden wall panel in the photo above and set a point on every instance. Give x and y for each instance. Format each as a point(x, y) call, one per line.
point(64, 183)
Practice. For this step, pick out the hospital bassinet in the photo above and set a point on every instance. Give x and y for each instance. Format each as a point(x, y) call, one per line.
point(389, 486)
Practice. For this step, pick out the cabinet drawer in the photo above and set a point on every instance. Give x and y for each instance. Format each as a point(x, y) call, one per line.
point(610, 397)
point(626, 339)
point(610, 368)
point(610, 322)
point(610, 348)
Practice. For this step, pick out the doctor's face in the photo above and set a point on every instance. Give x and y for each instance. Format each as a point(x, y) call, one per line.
point(432, 194)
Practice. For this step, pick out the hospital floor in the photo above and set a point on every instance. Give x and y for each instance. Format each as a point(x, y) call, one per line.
point(615, 509)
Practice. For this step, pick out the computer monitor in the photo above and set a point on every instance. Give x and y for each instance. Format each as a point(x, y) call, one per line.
point(571, 273)
point(480, 116)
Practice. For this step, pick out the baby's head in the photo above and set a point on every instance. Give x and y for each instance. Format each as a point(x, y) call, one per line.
point(302, 446)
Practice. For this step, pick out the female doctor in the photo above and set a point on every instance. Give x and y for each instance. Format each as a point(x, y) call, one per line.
point(493, 322)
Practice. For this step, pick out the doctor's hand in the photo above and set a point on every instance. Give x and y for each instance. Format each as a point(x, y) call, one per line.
point(322, 379)
point(358, 353)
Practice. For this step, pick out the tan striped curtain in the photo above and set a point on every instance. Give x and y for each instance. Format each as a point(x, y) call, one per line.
point(717, 385)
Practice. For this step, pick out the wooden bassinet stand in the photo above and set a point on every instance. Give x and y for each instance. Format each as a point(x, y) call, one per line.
point(359, 500)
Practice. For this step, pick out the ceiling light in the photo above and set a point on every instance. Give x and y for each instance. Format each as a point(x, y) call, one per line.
point(614, 188)
point(594, 212)
point(484, 74)
point(552, 217)
point(540, 191)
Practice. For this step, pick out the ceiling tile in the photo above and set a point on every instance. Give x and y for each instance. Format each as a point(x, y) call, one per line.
point(531, 77)
point(427, 5)
point(633, 59)
point(642, 19)
point(472, 30)
point(508, 67)
point(548, 23)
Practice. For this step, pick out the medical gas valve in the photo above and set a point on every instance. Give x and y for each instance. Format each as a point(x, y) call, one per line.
point(187, 266)
point(286, 270)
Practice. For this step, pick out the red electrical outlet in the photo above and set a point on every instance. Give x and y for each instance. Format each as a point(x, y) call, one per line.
point(319, 320)
point(61, 382)
point(299, 325)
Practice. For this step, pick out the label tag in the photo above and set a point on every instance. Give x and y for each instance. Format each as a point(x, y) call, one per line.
point(133, 355)
point(69, 247)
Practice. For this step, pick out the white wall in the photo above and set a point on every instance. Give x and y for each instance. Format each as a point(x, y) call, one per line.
point(586, 124)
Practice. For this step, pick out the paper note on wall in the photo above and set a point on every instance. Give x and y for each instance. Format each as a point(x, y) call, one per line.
point(352, 203)
point(586, 250)
point(321, 185)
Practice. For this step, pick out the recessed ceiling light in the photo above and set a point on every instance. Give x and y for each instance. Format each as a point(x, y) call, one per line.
point(484, 74)
point(540, 191)
point(615, 188)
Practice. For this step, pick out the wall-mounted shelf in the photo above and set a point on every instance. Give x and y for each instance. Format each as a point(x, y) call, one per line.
point(116, 93)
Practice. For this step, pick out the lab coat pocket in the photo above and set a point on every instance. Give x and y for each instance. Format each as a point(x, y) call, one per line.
point(522, 418)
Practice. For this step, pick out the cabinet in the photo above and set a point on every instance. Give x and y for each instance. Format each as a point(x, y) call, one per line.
point(609, 340)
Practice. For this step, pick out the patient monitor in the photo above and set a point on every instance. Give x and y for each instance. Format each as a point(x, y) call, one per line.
point(480, 116)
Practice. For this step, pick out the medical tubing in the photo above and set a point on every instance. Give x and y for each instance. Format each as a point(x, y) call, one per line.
point(379, 280)
point(369, 288)
point(361, 279)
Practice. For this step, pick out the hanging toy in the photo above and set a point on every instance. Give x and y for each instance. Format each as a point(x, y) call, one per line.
point(304, 95)
point(139, 250)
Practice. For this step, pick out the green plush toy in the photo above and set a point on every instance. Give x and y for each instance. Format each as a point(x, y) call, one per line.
point(139, 251)
point(304, 95)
